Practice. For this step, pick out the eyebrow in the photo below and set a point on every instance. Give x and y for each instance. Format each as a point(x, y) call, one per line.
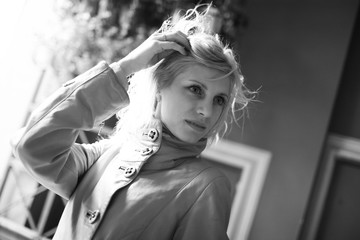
point(204, 86)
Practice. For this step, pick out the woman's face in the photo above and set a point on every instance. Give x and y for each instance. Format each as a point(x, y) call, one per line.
point(192, 104)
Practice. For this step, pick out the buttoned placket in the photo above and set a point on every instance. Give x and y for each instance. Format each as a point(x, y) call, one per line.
point(118, 174)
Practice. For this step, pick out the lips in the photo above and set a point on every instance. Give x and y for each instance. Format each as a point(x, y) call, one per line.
point(197, 126)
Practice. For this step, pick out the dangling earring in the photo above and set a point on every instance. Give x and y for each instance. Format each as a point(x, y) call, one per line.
point(158, 97)
point(157, 105)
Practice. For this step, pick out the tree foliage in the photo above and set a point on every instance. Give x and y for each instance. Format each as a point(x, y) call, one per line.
point(94, 30)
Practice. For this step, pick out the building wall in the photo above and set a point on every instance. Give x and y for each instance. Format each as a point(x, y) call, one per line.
point(294, 52)
point(346, 114)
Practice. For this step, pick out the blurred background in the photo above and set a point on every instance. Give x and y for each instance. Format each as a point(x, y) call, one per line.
point(303, 56)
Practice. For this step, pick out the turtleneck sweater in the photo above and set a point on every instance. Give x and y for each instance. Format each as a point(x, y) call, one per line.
point(173, 151)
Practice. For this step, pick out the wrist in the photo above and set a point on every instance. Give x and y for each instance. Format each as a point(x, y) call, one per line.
point(122, 71)
point(126, 65)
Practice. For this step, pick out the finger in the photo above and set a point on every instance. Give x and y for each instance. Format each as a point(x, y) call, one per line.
point(164, 54)
point(166, 48)
point(180, 38)
point(172, 46)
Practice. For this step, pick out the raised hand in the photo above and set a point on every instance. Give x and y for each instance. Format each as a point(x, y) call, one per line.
point(153, 49)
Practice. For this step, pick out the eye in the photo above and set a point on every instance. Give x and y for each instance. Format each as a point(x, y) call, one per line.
point(219, 100)
point(196, 90)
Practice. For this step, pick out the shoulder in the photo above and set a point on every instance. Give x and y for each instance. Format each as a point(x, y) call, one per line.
point(205, 175)
point(208, 192)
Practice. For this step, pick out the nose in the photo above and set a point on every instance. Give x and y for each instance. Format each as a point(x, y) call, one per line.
point(205, 109)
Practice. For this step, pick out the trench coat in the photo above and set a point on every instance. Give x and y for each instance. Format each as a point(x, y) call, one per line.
point(152, 187)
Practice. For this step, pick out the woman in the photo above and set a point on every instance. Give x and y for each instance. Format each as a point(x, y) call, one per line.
point(146, 181)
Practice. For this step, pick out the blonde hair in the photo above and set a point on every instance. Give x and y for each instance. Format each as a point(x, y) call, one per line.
point(206, 50)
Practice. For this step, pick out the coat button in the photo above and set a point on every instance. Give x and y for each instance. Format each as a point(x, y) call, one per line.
point(152, 134)
point(92, 216)
point(146, 151)
point(129, 172)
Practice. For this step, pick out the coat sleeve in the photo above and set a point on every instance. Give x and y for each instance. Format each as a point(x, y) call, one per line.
point(47, 145)
point(208, 217)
